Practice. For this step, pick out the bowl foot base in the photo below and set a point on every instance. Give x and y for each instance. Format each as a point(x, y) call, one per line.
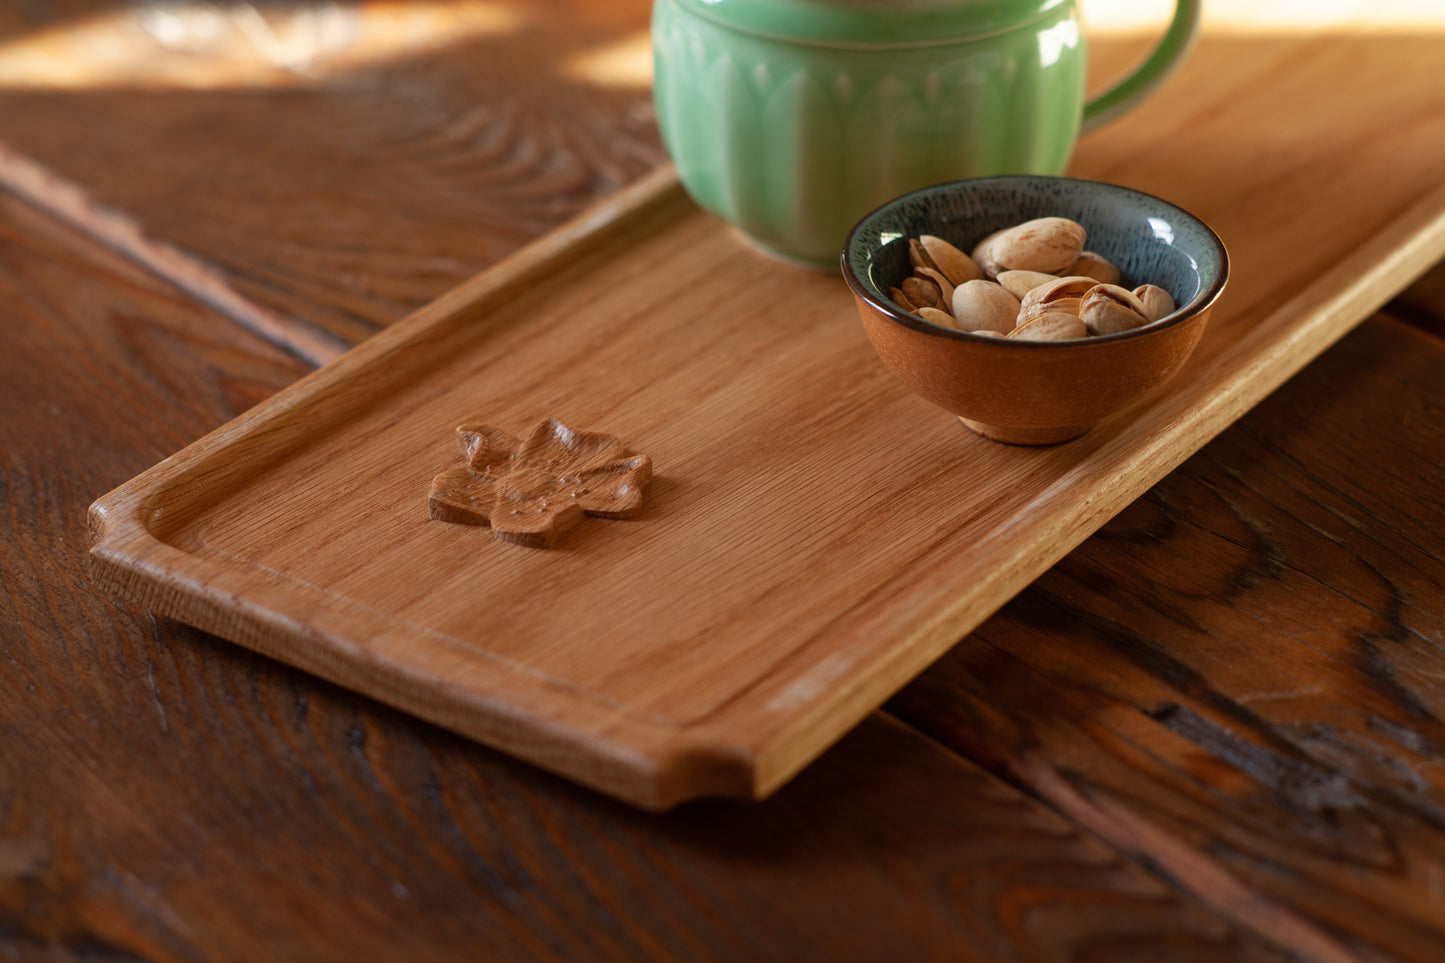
point(1022, 435)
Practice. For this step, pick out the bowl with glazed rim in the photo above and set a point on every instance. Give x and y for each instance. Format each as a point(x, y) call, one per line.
point(1037, 392)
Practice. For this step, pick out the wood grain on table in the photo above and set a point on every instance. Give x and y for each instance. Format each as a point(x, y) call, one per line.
point(1211, 732)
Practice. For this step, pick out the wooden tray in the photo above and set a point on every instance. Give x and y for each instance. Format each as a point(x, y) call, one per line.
point(815, 536)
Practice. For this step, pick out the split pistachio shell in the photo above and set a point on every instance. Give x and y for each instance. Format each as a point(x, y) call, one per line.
point(955, 265)
point(1157, 302)
point(986, 333)
point(1020, 283)
point(1091, 265)
point(935, 316)
point(918, 256)
point(901, 299)
point(1107, 317)
point(921, 292)
point(984, 305)
point(1058, 289)
point(1121, 295)
point(945, 289)
point(1047, 244)
point(1029, 311)
point(1051, 326)
point(1104, 315)
point(1109, 309)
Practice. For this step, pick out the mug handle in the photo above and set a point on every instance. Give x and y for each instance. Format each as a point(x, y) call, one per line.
point(1161, 62)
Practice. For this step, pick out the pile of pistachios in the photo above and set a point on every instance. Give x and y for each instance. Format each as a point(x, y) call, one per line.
point(1032, 282)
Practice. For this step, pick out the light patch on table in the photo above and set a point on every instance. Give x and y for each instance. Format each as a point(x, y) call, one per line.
point(627, 63)
point(1113, 17)
point(209, 45)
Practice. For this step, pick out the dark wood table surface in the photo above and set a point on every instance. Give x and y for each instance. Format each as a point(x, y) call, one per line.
point(1212, 732)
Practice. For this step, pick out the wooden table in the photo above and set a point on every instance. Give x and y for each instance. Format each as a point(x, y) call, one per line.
point(1211, 732)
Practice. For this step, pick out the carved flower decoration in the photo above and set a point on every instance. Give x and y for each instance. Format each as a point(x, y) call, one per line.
point(532, 491)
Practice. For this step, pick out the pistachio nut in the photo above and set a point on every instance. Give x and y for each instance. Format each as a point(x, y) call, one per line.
point(1027, 312)
point(921, 292)
point(935, 316)
point(1091, 265)
point(1051, 326)
point(1020, 283)
point(901, 299)
point(1108, 309)
point(984, 305)
point(953, 263)
point(1103, 316)
point(1058, 289)
point(1123, 295)
point(1047, 244)
point(945, 290)
point(981, 255)
point(1156, 301)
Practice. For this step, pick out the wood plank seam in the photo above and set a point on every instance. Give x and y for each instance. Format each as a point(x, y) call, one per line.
point(71, 204)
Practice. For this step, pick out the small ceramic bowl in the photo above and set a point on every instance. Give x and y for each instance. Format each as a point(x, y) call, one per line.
point(1037, 392)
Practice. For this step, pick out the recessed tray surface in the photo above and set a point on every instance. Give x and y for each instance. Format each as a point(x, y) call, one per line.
point(814, 535)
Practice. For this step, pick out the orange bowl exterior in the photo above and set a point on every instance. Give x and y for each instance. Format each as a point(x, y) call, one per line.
point(1033, 392)
point(1037, 392)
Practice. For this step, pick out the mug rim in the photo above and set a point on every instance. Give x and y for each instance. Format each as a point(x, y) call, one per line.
point(835, 23)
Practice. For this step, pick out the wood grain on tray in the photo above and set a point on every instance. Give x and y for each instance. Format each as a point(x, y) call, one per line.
point(816, 536)
point(1325, 216)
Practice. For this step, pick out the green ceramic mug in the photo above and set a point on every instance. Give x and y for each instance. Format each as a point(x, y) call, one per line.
point(793, 118)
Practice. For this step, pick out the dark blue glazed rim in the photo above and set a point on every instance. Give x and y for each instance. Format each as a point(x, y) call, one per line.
point(1150, 240)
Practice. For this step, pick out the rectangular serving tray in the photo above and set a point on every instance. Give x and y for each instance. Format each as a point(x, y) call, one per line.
point(814, 535)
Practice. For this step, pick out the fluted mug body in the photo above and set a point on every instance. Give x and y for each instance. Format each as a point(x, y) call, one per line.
point(792, 118)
